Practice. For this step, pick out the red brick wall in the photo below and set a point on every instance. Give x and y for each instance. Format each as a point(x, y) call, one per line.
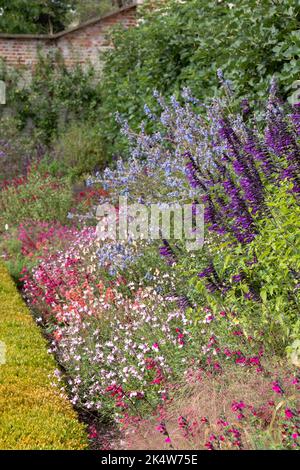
point(86, 44)
point(21, 51)
point(80, 45)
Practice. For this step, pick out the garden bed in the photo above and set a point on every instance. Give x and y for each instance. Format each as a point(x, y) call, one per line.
point(34, 415)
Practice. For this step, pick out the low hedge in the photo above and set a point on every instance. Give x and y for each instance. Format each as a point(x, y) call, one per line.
point(33, 413)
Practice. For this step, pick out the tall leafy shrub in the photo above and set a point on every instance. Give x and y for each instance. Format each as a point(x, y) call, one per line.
point(55, 97)
point(184, 43)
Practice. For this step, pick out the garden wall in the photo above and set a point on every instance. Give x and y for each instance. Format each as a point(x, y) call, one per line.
point(82, 44)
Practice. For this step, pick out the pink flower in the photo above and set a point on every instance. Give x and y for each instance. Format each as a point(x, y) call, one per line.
point(235, 432)
point(209, 318)
point(182, 422)
point(288, 413)
point(227, 352)
point(163, 429)
point(156, 381)
point(222, 422)
point(209, 446)
point(295, 435)
point(168, 440)
point(237, 406)
point(93, 434)
point(155, 346)
point(237, 333)
point(276, 388)
point(254, 360)
point(240, 360)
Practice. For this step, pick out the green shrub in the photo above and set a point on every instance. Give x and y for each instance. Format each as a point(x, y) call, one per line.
point(263, 278)
point(184, 43)
point(34, 415)
point(10, 249)
point(54, 97)
point(79, 150)
point(17, 149)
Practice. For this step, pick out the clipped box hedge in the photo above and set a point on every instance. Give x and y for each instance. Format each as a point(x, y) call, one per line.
point(33, 413)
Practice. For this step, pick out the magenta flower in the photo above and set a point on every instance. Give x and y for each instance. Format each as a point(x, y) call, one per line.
point(288, 413)
point(222, 422)
point(277, 388)
point(209, 446)
point(254, 360)
point(237, 406)
point(182, 422)
point(161, 428)
point(93, 434)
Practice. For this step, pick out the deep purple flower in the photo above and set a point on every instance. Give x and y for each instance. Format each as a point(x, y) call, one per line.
point(211, 287)
point(206, 272)
point(193, 173)
point(183, 302)
point(238, 277)
point(260, 153)
point(245, 106)
point(167, 252)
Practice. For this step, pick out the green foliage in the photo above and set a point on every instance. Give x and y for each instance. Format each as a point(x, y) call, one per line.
point(79, 150)
point(269, 267)
point(15, 264)
point(89, 9)
point(33, 414)
point(17, 149)
point(39, 197)
point(55, 97)
point(34, 16)
point(184, 43)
